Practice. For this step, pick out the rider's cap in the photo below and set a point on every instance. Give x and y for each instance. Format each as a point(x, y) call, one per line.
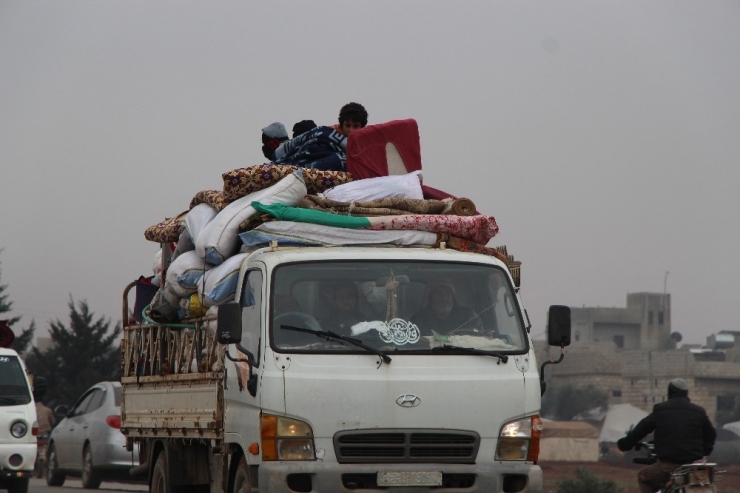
point(678, 386)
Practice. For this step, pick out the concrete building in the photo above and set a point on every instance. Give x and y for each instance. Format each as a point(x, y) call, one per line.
point(629, 353)
point(645, 323)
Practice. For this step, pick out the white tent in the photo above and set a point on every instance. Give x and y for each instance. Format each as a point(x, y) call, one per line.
point(733, 427)
point(618, 420)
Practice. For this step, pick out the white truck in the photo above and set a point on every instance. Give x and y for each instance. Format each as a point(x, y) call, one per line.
point(18, 425)
point(270, 395)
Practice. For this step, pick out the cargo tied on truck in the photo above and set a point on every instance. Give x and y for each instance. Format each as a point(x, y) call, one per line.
point(310, 330)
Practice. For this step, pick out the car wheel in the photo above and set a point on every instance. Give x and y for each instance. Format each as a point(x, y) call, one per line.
point(53, 476)
point(160, 480)
point(241, 478)
point(18, 485)
point(90, 479)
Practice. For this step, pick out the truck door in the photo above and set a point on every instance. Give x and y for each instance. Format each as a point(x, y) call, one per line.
point(242, 408)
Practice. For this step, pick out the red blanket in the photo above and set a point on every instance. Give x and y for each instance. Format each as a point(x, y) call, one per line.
point(366, 148)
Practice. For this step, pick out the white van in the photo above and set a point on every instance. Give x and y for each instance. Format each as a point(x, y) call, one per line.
point(18, 427)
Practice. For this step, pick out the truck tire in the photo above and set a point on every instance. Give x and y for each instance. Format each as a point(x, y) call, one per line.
point(241, 477)
point(18, 485)
point(53, 476)
point(160, 479)
point(90, 478)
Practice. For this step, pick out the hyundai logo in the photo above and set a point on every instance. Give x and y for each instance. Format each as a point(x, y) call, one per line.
point(408, 400)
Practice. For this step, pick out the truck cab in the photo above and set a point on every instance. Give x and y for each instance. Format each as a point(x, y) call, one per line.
point(411, 394)
point(18, 427)
point(352, 368)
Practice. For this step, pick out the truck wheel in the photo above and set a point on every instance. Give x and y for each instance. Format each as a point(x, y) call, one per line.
point(53, 476)
point(90, 479)
point(241, 478)
point(18, 485)
point(160, 480)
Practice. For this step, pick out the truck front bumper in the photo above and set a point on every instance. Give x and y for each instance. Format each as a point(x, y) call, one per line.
point(28, 453)
point(321, 477)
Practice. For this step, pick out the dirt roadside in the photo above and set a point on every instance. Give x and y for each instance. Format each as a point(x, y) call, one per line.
point(625, 474)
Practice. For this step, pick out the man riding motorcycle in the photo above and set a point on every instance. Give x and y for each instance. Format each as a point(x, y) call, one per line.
point(683, 434)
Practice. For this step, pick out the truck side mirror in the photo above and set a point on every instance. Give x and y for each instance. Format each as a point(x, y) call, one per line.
point(558, 326)
point(229, 323)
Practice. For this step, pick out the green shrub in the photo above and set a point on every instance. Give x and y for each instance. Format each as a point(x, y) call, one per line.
point(564, 401)
point(586, 482)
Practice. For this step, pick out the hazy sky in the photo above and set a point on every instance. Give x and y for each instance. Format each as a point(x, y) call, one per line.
point(603, 136)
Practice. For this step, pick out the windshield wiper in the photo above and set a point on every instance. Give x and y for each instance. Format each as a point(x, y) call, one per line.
point(9, 400)
point(333, 335)
point(470, 350)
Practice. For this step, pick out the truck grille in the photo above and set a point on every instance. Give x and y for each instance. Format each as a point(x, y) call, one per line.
point(411, 446)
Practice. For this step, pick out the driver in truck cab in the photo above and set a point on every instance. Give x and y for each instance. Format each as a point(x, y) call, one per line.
point(683, 434)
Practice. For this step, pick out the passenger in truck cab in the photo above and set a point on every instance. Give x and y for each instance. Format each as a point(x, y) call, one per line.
point(352, 116)
point(442, 313)
point(345, 312)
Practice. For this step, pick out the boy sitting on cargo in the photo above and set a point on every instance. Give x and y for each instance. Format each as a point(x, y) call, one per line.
point(352, 116)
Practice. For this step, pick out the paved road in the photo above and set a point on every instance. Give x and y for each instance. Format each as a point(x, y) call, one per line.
point(74, 484)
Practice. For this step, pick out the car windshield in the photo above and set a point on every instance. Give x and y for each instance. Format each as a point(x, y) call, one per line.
point(13, 385)
point(394, 306)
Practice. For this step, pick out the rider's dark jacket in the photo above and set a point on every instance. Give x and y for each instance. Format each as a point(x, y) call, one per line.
point(683, 432)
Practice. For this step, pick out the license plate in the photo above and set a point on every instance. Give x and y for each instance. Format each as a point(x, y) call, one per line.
point(409, 478)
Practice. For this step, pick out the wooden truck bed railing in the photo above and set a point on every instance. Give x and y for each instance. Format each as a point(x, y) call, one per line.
point(172, 379)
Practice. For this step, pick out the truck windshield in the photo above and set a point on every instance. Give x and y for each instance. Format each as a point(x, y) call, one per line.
point(395, 306)
point(13, 387)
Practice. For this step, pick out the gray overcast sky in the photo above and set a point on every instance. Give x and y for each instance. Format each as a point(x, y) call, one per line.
point(603, 136)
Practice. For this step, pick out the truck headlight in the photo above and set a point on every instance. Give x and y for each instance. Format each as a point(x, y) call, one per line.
point(286, 439)
point(19, 429)
point(520, 440)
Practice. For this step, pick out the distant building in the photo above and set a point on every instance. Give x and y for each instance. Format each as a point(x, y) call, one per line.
point(629, 352)
point(644, 324)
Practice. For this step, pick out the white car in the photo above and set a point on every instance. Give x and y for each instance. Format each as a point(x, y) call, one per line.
point(88, 442)
point(18, 427)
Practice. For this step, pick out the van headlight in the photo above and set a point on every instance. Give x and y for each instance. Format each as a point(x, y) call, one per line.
point(18, 429)
point(520, 440)
point(286, 439)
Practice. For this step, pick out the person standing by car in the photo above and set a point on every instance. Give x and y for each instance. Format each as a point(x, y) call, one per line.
point(683, 434)
point(44, 416)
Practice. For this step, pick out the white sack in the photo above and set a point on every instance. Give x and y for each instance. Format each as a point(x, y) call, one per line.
point(184, 273)
point(164, 303)
point(197, 218)
point(157, 268)
point(184, 244)
point(219, 284)
point(218, 240)
point(400, 186)
point(330, 235)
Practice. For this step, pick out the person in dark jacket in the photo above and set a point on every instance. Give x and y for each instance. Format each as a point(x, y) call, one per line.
point(683, 434)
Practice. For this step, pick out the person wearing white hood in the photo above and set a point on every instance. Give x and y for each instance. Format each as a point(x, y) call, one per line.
point(441, 313)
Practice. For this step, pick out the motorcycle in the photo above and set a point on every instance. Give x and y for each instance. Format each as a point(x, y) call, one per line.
point(697, 477)
point(40, 465)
